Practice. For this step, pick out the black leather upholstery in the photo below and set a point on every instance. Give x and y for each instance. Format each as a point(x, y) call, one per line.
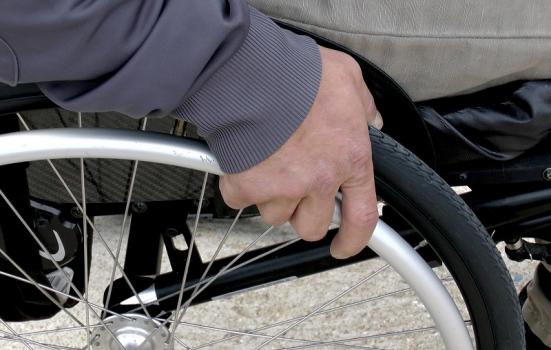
point(500, 123)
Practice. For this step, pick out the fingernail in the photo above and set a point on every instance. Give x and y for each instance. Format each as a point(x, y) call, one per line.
point(338, 255)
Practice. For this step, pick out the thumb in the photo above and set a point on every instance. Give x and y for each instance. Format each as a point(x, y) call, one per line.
point(359, 215)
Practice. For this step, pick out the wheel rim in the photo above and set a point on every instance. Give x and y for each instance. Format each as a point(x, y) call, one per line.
point(139, 147)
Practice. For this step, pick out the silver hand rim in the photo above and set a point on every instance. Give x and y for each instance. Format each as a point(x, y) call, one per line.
point(130, 145)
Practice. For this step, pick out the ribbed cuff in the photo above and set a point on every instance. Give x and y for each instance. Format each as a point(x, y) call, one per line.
point(255, 101)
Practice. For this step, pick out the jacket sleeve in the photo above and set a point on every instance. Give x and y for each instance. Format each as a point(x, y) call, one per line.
point(244, 82)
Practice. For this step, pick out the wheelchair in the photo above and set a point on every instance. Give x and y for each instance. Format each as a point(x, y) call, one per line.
point(182, 270)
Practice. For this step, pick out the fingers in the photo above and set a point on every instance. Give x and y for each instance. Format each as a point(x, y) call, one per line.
point(313, 216)
point(233, 197)
point(274, 206)
point(359, 215)
point(373, 116)
point(333, 141)
point(241, 191)
point(274, 210)
point(277, 212)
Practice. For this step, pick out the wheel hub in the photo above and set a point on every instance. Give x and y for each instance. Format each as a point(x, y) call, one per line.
point(135, 331)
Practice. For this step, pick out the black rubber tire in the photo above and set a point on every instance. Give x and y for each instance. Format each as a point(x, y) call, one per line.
point(428, 203)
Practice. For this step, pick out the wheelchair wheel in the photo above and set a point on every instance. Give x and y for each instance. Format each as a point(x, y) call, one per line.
point(180, 272)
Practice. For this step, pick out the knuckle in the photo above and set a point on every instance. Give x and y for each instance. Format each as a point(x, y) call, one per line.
point(310, 234)
point(225, 191)
point(274, 213)
point(349, 62)
point(294, 191)
point(365, 217)
point(371, 108)
point(230, 194)
point(354, 70)
point(359, 154)
point(348, 66)
point(231, 202)
point(273, 218)
point(307, 230)
point(326, 182)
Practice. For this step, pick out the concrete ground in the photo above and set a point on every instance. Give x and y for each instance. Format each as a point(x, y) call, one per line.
point(398, 312)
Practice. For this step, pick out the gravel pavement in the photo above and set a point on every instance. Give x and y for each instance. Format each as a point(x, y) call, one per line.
point(287, 300)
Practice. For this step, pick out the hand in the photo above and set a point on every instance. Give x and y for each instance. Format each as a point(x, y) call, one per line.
point(330, 150)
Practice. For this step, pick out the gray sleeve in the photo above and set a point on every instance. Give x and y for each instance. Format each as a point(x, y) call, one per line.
point(253, 104)
point(219, 64)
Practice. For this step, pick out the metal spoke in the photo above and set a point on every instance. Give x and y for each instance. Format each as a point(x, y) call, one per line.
point(235, 333)
point(260, 256)
point(211, 343)
point(322, 306)
point(100, 236)
point(191, 246)
point(376, 336)
point(90, 223)
point(59, 330)
point(181, 342)
point(322, 312)
point(51, 258)
point(68, 296)
point(42, 290)
point(334, 343)
point(14, 338)
point(213, 258)
point(260, 335)
point(225, 268)
point(85, 234)
point(15, 334)
point(222, 271)
point(123, 229)
point(228, 270)
point(196, 288)
point(186, 269)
